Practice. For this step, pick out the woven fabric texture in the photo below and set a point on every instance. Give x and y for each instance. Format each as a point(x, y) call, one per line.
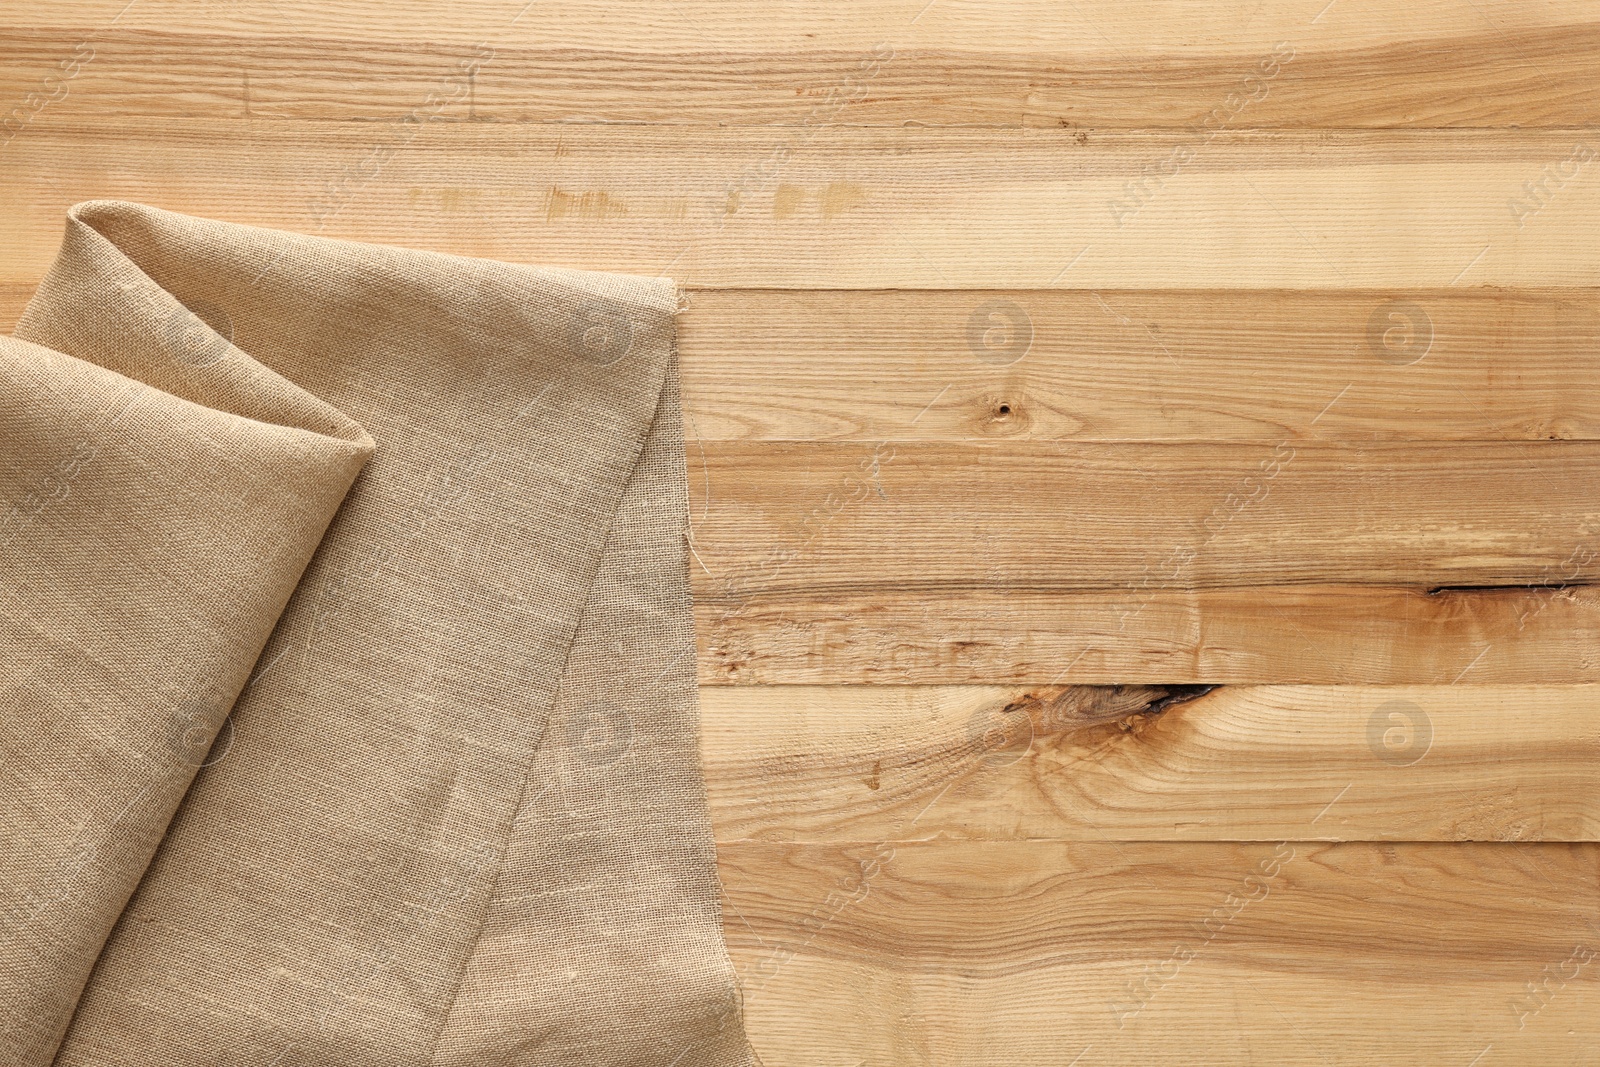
point(347, 707)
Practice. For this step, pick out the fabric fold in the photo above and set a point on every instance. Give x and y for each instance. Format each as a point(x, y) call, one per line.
point(349, 714)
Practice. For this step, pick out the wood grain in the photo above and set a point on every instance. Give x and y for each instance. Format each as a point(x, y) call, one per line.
point(1094, 65)
point(1076, 517)
point(867, 764)
point(1144, 365)
point(997, 310)
point(858, 208)
point(1251, 635)
point(1148, 365)
point(1387, 563)
point(1037, 952)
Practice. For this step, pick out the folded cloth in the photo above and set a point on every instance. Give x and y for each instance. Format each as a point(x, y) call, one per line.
point(347, 673)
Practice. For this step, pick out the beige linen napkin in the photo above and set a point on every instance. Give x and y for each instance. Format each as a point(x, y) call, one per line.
point(347, 675)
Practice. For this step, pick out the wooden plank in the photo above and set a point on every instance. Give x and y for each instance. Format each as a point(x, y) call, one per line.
point(1037, 952)
point(1178, 365)
point(868, 764)
point(835, 563)
point(1215, 365)
point(1085, 27)
point(1263, 635)
point(917, 516)
point(1093, 65)
point(856, 208)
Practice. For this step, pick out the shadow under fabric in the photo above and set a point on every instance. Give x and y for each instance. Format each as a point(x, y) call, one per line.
point(347, 671)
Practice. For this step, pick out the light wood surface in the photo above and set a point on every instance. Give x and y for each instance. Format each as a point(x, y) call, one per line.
point(1144, 457)
point(857, 207)
point(1036, 952)
point(869, 764)
point(1268, 366)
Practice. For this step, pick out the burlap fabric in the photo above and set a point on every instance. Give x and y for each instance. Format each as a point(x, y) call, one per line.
point(347, 707)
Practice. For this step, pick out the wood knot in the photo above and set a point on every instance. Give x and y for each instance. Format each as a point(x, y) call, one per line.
point(1003, 415)
point(1109, 709)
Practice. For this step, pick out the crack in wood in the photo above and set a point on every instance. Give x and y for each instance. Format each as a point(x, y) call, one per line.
point(1508, 587)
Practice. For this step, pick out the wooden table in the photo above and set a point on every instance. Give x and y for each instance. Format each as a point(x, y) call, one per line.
point(1145, 462)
